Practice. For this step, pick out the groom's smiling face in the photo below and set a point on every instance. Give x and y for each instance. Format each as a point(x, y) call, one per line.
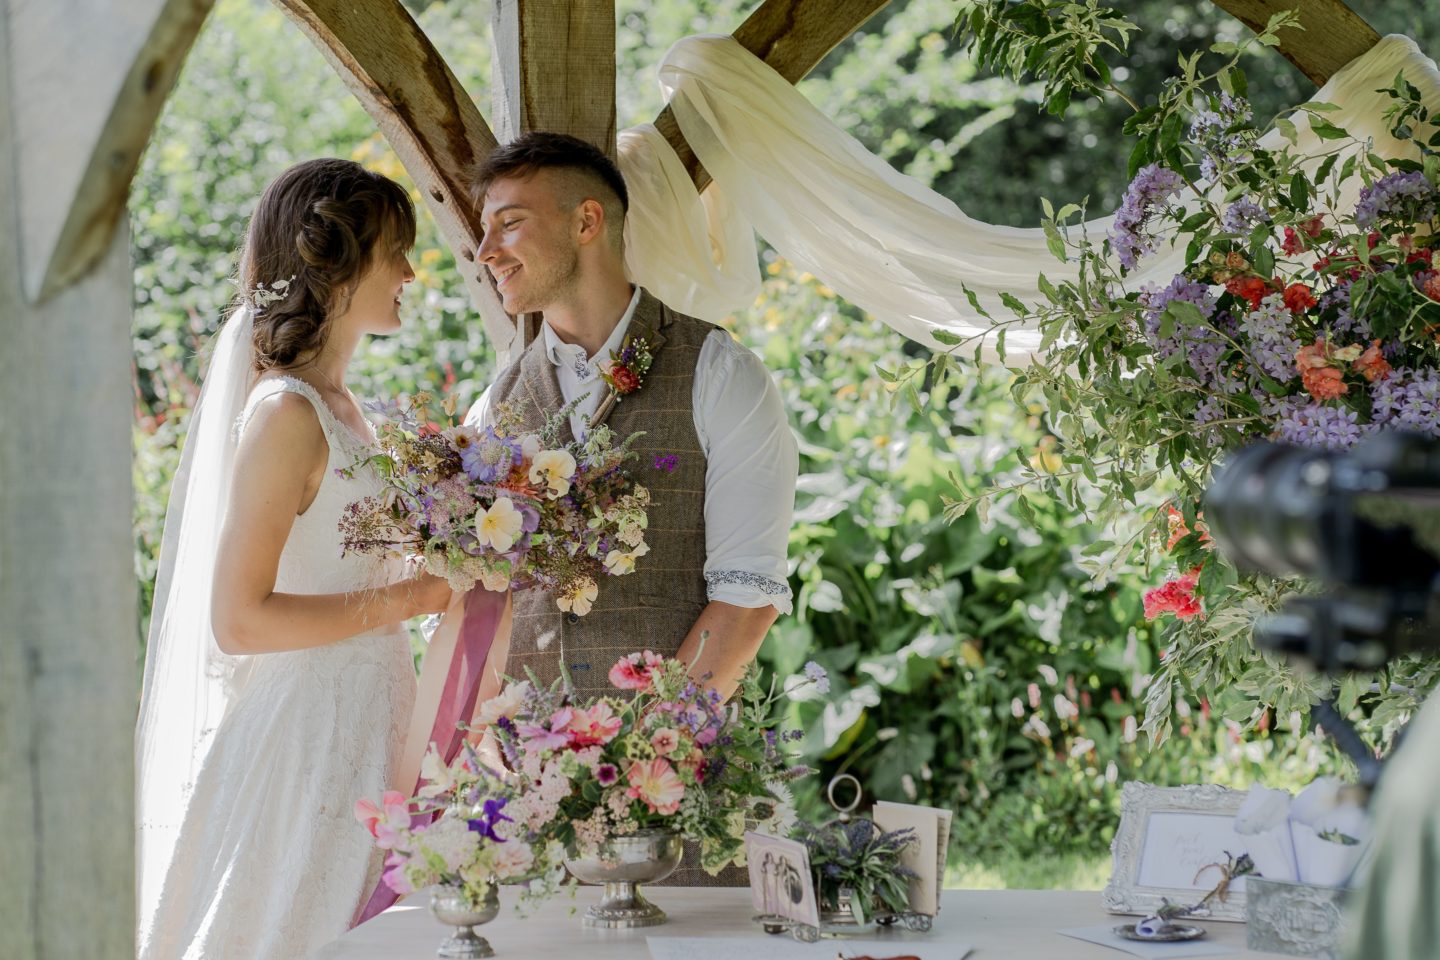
point(531, 245)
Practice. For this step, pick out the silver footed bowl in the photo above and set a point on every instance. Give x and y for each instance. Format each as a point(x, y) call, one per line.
point(451, 908)
point(622, 865)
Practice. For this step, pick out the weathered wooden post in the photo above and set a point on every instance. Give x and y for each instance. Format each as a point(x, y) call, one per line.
point(79, 93)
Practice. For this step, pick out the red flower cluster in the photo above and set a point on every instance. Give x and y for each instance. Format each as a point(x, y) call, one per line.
point(1294, 242)
point(626, 380)
point(1175, 596)
point(1179, 531)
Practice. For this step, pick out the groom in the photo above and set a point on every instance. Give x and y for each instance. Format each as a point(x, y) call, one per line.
point(717, 454)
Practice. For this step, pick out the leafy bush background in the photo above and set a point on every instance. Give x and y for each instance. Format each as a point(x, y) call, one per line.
point(977, 664)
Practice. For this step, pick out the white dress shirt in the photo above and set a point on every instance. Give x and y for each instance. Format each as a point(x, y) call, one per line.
point(751, 457)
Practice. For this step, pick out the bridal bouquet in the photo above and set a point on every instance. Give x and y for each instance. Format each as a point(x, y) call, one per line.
point(669, 754)
point(474, 843)
point(501, 507)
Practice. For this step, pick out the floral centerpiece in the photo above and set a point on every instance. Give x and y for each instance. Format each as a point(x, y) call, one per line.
point(663, 751)
point(461, 831)
point(502, 507)
point(1304, 307)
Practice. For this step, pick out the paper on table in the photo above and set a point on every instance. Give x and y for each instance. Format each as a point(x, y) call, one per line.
point(927, 857)
point(781, 947)
point(1106, 937)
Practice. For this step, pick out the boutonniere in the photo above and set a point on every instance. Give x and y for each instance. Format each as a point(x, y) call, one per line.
point(626, 374)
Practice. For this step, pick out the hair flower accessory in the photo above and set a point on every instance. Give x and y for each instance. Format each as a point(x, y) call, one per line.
point(262, 296)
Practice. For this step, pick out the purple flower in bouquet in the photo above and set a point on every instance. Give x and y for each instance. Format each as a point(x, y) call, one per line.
point(1321, 425)
point(1271, 345)
point(606, 774)
point(1152, 187)
point(1408, 400)
point(1185, 337)
point(1209, 131)
point(1241, 215)
point(490, 815)
point(1345, 321)
point(490, 459)
point(1401, 194)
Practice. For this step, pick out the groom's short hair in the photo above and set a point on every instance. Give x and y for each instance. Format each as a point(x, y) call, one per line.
point(543, 150)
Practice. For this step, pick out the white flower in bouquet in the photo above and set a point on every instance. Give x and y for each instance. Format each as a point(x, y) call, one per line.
point(507, 704)
point(580, 598)
point(436, 774)
point(553, 469)
point(451, 839)
point(620, 562)
point(499, 526)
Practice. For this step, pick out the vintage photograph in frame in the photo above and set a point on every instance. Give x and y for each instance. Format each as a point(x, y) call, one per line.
point(1170, 845)
point(781, 883)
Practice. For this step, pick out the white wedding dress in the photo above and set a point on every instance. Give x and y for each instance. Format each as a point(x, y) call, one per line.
point(269, 860)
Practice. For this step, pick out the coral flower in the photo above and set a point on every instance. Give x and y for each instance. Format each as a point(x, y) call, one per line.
point(1321, 379)
point(1298, 297)
point(1252, 289)
point(1372, 365)
point(655, 783)
point(384, 823)
point(596, 725)
point(633, 672)
point(1175, 596)
point(664, 741)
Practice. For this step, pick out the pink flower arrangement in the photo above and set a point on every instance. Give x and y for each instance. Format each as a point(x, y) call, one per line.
point(661, 751)
point(1175, 596)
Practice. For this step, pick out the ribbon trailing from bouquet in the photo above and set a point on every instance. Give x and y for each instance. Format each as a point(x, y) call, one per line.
point(450, 681)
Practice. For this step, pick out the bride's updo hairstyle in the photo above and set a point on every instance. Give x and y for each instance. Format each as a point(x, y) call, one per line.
point(317, 229)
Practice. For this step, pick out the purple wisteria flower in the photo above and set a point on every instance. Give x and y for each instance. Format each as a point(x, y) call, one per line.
point(1241, 215)
point(1404, 195)
point(1214, 131)
point(1202, 346)
point(1313, 424)
point(1345, 321)
point(1408, 399)
point(1152, 187)
point(1271, 345)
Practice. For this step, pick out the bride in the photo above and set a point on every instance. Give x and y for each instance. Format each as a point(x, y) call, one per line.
point(278, 677)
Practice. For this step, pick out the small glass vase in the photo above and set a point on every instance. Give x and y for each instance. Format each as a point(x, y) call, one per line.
point(622, 865)
point(452, 908)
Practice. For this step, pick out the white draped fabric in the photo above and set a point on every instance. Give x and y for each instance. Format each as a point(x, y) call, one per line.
point(882, 240)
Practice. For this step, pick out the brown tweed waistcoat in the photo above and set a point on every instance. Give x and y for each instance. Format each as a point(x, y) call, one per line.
point(654, 607)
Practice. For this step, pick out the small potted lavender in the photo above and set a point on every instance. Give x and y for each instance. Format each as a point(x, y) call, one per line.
point(859, 879)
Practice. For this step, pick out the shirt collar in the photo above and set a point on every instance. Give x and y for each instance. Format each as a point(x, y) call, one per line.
point(572, 355)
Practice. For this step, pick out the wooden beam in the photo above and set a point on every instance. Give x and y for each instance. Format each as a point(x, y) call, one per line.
point(1333, 35)
point(93, 86)
point(554, 69)
point(792, 36)
point(434, 127)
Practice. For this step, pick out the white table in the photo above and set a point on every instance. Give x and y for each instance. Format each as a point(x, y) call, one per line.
point(1011, 924)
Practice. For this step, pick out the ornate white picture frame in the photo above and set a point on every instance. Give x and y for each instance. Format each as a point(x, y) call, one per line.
point(1167, 842)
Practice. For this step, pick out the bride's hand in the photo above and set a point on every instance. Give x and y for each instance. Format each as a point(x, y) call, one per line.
point(429, 594)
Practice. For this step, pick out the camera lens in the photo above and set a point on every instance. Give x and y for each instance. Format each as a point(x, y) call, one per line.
point(1268, 509)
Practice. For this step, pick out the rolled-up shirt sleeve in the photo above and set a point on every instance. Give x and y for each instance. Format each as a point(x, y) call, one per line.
point(752, 466)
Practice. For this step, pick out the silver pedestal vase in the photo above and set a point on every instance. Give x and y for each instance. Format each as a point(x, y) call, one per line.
point(451, 907)
point(623, 863)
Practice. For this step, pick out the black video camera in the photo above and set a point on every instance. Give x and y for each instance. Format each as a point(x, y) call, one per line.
point(1365, 523)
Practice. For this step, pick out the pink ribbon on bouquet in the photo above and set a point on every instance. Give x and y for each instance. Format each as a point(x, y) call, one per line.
point(450, 680)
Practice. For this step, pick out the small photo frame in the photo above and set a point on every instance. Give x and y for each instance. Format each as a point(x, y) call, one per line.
point(781, 884)
point(1169, 847)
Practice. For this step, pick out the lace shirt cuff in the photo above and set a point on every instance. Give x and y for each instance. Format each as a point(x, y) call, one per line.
point(745, 589)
